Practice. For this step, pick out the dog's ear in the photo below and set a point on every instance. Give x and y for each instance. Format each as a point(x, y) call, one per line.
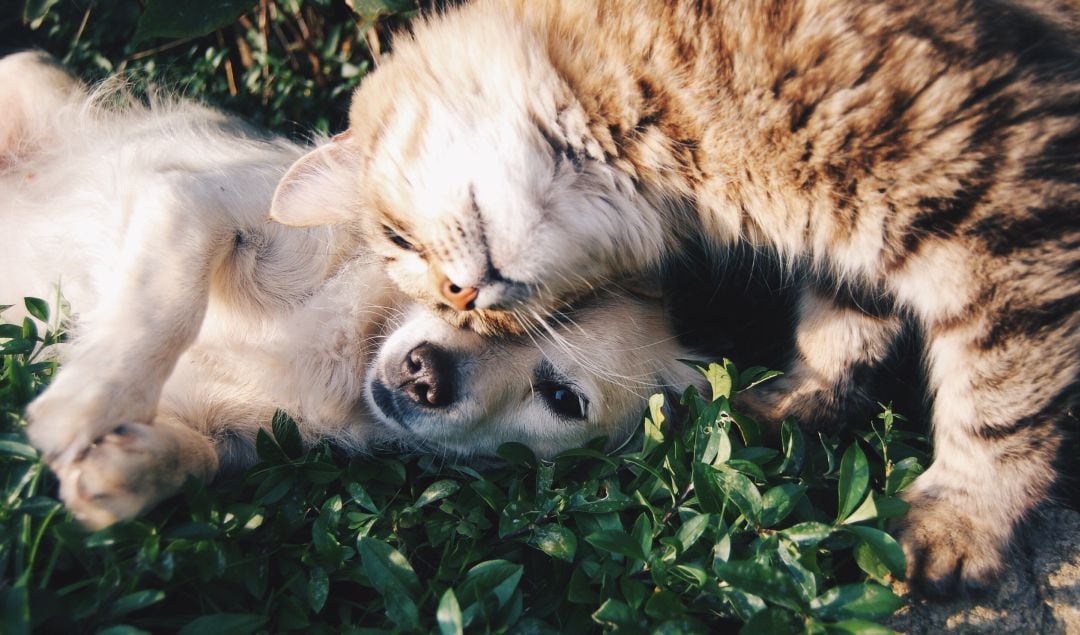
point(320, 188)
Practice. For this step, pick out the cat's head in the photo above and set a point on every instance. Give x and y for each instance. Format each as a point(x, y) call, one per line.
point(453, 392)
point(472, 171)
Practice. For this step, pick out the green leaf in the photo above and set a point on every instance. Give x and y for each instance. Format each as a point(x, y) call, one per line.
point(556, 541)
point(890, 507)
point(808, 533)
point(361, 497)
point(393, 577)
point(653, 424)
point(449, 615)
point(490, 494)
point(854, 479)
point(618, 615)
point(232, 623)
point(779, 501)
point(16, 614)
point(719, 379)
point(884, 546)
point(860, 601)
point(711, 438)
point(793, 562)
point(371, 10)
point(318, 589)
point(517, 454)
point(869, 562)
point(498, 578)
point(866, 511)
point(34, 11)
point(794, 446)
point(188, 19)
point(122, 629)
point(771, 621)
point(38, 308)
point(692, 529)
point(755, 375)
point(859, 627)
point(902, 474)
point(268, 449)
point(739, 490)
point(749, 429)
point(437, 491)
point(136, 601)
point(764, 581)
point(18, 449)
point(287, 434)
point(618, 542)
point(664, 605)
point(711, 497)
point(693, 574)
point(642, 531)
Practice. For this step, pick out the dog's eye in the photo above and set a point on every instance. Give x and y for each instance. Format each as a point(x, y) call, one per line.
point(562, 400)
point(397, 239)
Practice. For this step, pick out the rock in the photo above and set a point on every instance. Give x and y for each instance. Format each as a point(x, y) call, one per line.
point(1039, 594)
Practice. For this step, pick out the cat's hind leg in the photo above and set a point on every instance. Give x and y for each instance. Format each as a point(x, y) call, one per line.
point(838, 344)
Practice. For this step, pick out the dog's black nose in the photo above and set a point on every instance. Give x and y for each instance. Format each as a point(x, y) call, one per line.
point(427, 376)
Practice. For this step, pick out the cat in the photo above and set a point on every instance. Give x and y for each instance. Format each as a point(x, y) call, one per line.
point(903, 161)
point(195, 319)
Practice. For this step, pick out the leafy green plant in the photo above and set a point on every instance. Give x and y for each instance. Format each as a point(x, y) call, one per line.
point(689, 528)
point(287, 65)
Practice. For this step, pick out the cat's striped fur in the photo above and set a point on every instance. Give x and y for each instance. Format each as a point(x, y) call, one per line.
point(923, 155)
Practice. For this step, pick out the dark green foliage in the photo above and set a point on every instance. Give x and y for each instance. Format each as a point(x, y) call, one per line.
point(286, 65)
point(699, 528)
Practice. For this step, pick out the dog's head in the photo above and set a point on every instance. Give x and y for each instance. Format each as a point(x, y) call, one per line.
point(454, 392)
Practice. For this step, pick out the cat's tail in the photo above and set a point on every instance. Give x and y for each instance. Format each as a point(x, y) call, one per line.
point(33, 88)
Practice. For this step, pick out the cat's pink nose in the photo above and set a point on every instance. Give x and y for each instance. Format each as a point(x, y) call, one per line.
point(461, 298)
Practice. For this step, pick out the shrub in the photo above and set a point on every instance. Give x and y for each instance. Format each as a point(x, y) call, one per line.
point(689, 528)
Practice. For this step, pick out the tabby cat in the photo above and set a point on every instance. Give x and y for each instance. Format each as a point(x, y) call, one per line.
point(910, 160)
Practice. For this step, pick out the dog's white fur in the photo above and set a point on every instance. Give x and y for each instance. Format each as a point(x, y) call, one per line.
point(195, 318)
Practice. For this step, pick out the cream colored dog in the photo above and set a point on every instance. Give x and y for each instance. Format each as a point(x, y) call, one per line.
point(195, 318)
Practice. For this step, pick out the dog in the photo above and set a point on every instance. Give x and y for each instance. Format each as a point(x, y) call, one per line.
point(195, 319)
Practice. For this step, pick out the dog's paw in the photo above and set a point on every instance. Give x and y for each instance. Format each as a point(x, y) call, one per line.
point(77, 409)
point(949, 551)
point(121, 474)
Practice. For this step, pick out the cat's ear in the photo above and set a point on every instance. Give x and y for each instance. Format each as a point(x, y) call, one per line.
point(320, 188)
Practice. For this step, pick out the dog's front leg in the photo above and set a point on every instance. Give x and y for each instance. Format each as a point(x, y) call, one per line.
point(152, 305)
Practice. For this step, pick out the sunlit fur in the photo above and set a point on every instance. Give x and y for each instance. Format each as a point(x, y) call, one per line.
point(921, 160)
point(195, 319)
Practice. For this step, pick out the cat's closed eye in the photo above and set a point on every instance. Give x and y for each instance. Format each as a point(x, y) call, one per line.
point(398, 239)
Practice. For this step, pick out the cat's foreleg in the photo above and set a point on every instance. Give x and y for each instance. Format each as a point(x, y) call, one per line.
point(837, 343)
point(998, 405)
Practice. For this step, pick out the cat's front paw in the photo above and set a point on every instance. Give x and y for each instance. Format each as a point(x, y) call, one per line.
point(950, 551)
point(121, 474)
point(814, 406)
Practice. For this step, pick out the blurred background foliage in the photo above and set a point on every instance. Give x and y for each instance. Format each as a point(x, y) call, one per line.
point(288, 65)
